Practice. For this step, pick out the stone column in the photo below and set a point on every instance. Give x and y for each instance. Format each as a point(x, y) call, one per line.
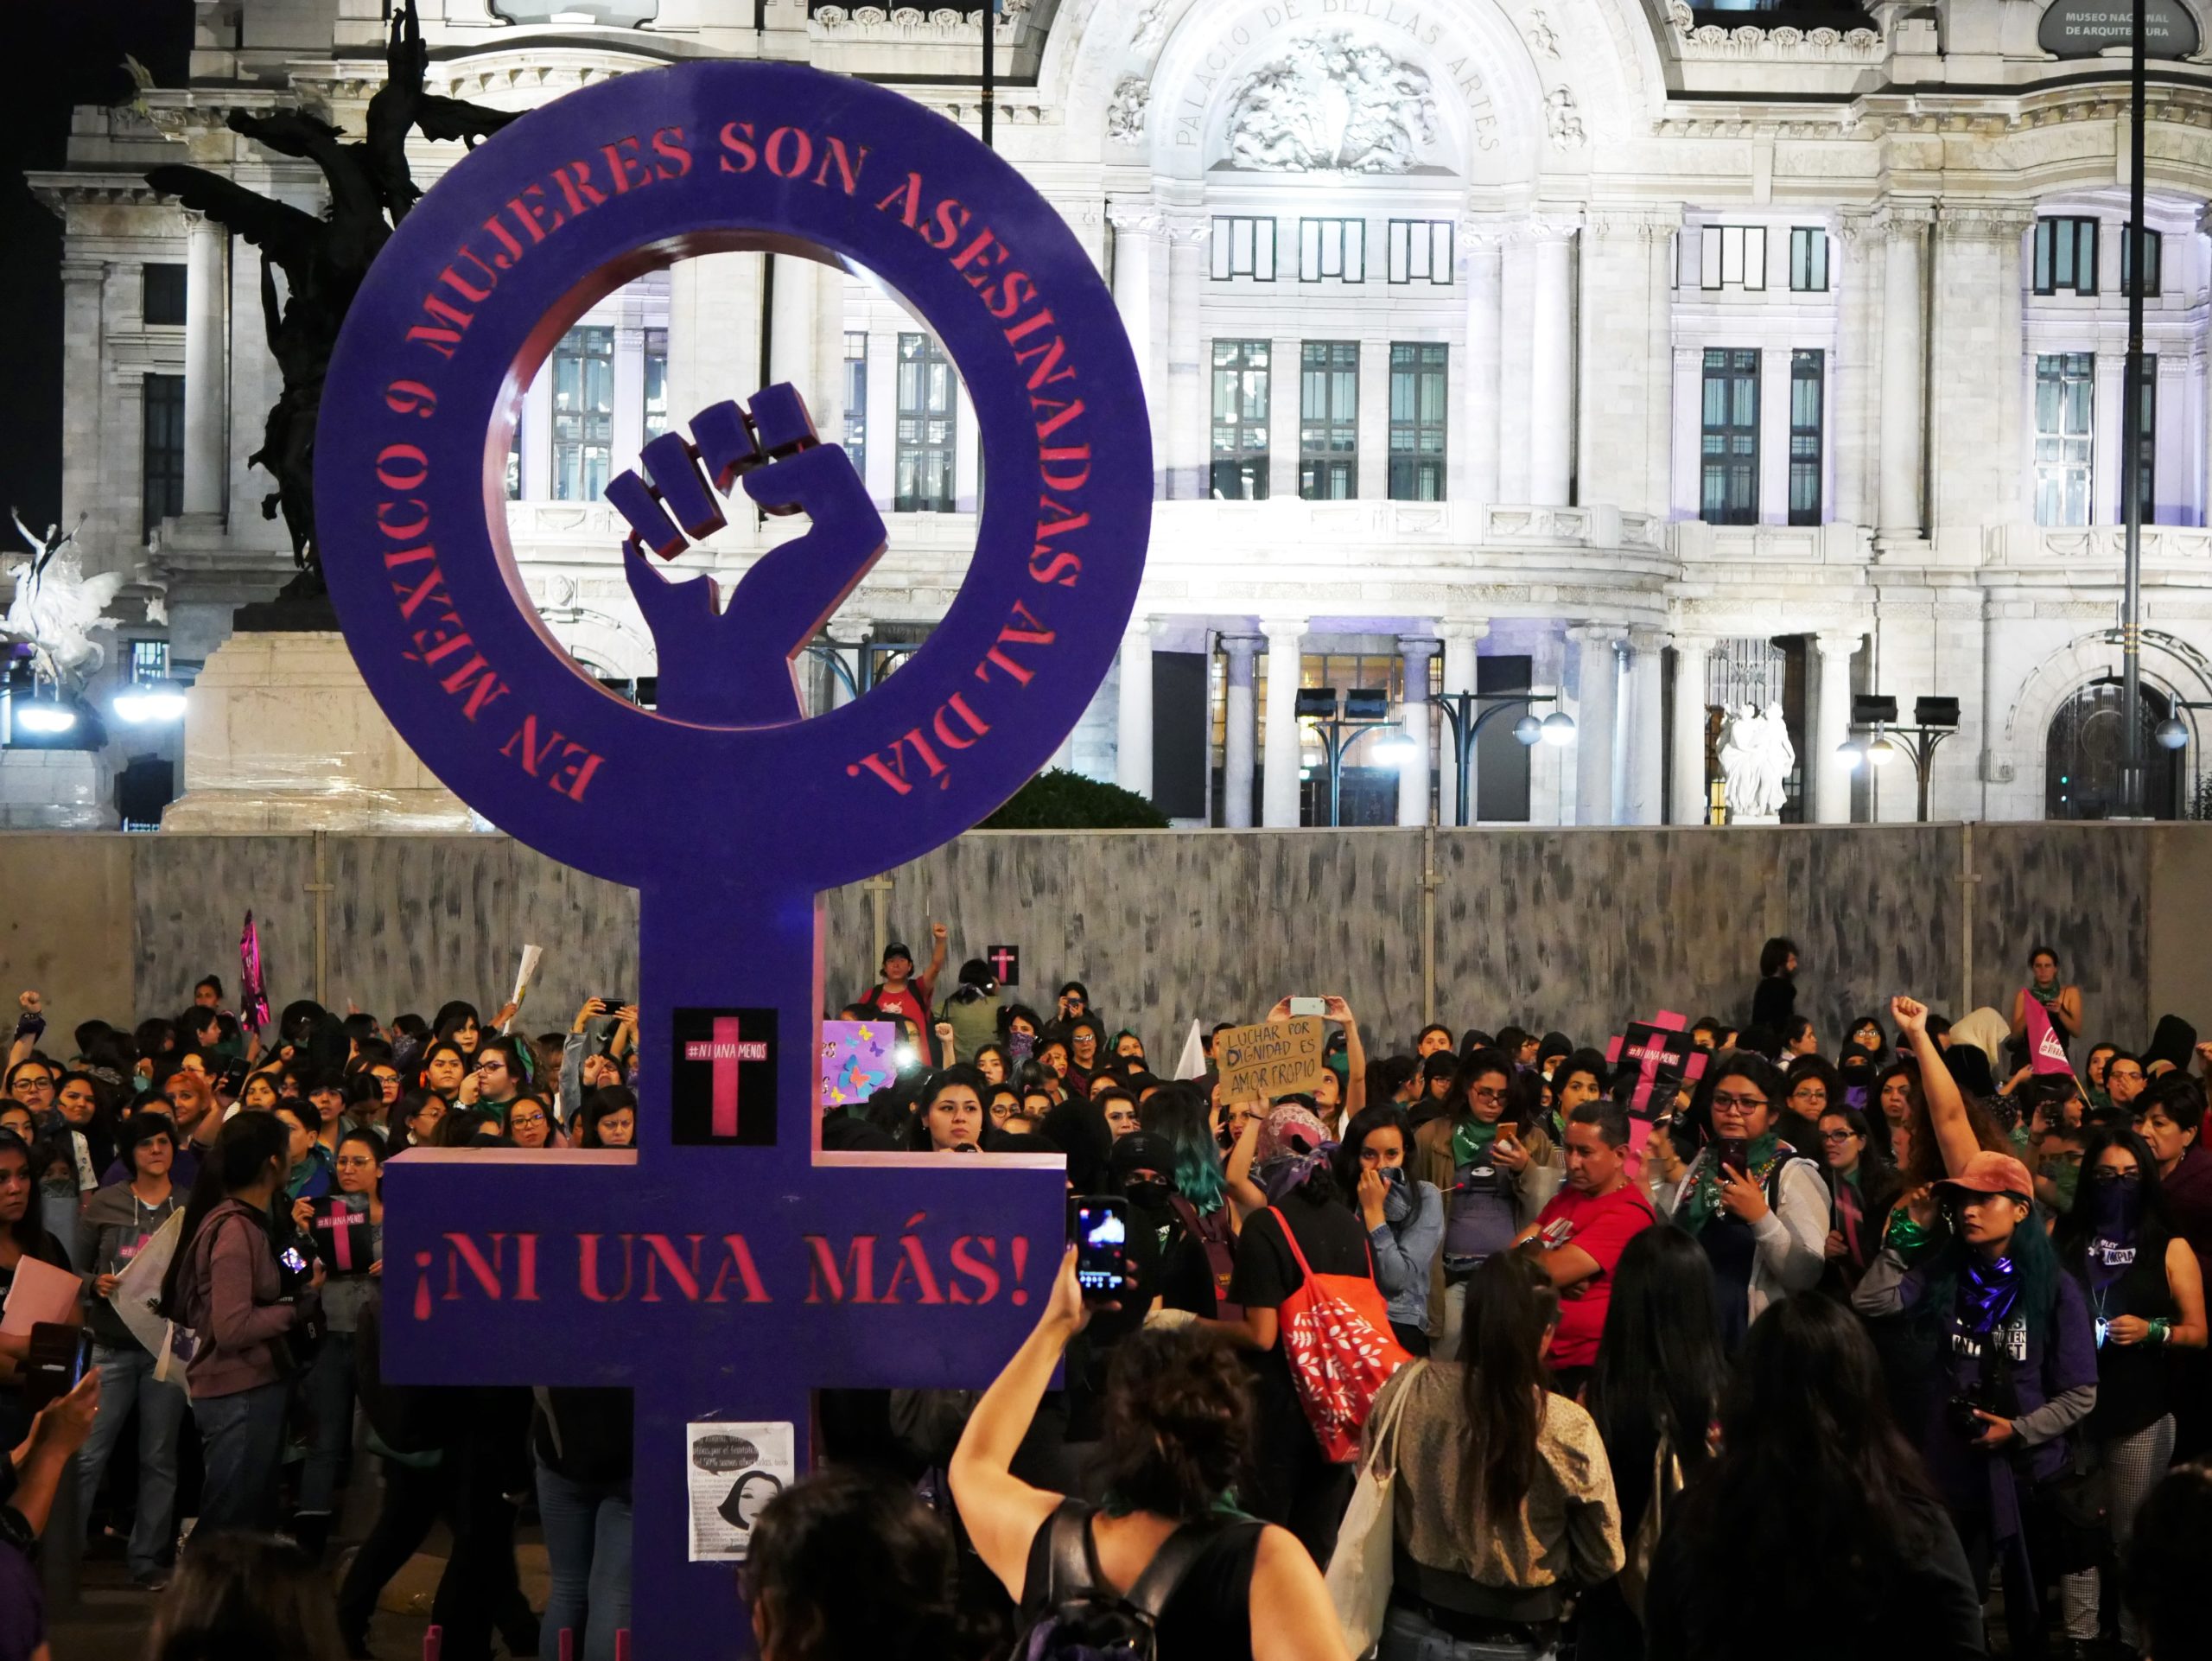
point(1460, 675)
point(1689, 403)
point(1647, 731)
point(536, 430)
point(792, 331)
point(1371, 466)
point(1286, 666)
point(2107, 456)
point(1853, 418)
point(1236, 736)
point(1905, 333)
point(630, 398)
point(1691, 803)
point(1551, 395)
point(1831, 727)
point(1133, 711)
point(1479, 419)
point(1136, 228)
point(1419, 721)
point(1774, 435)
point(1184, 454)
point(1597, 706)
point(206, 248)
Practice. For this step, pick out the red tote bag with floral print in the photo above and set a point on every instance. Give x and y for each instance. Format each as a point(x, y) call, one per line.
point(1335, 1333)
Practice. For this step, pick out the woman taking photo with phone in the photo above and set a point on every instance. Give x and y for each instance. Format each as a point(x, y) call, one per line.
point(1756, 1205)
point(1494, 1174)
point(348, 1233)
point(1178, 1432)
point(241, 1304)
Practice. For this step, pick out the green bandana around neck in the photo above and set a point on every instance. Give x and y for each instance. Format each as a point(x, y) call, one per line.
point(1705, 1188)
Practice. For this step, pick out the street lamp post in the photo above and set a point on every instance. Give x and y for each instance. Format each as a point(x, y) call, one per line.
point(1938, 718)
point(1364, 709)
point(1460, 712)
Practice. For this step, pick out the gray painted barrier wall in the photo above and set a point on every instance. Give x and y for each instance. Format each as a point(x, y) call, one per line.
point(1577, 929)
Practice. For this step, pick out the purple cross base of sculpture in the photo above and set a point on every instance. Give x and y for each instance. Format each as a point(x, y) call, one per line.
point(721, 1277)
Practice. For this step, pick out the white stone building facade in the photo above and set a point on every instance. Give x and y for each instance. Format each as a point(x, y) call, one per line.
point(1646, 360)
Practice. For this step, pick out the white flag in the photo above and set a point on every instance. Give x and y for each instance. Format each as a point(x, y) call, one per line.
point(1191, 1064)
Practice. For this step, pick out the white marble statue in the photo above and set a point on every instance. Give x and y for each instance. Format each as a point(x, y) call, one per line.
point(56, 607)
point(1756, 756)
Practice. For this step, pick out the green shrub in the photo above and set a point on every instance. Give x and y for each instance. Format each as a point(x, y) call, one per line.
point(1060, 800)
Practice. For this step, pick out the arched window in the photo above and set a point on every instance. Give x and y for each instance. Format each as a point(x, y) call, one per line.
point(2083, 753)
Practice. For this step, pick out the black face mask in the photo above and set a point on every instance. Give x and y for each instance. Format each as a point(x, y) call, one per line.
point(1149, 1193)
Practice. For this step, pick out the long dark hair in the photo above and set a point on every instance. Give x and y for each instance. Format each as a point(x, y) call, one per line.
point(1503, 1388)
point(1811, 1453)
point(1660, 1368)
point(1178, 1112)
point(1178, 1427)
point(1382, 1116)
point(1774, 955)
point(2154, 1225)
point(242, 1151)
point(27, 1231)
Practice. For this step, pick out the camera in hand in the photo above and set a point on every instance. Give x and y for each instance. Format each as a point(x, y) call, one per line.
point(57, 1360)
point(1959, 1413)
point(1099, 1226)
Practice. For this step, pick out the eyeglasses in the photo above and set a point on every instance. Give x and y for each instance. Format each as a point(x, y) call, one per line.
point(354, 1161)
point(1839, 1136)
point(1737, 1104)
point(1487, 1098)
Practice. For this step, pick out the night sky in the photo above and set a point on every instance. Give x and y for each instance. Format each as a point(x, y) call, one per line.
point(54, 55)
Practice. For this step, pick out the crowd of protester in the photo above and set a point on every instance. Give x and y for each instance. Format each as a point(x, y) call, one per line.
point(1483, 1345)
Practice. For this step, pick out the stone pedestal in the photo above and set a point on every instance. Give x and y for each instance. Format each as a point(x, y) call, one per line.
point(280, 736)
point(56, 790)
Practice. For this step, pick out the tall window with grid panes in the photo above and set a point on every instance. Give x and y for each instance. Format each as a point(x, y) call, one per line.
point(161, 453)
point(1239, 469)
point(853, 435)
point(2065, 437)
point(928, 412)
point(583, 413)
point(1328, 420)
point(1729, 492)
point(1419, 400)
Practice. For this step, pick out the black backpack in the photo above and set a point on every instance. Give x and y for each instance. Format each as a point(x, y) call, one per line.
point(1083, 1619)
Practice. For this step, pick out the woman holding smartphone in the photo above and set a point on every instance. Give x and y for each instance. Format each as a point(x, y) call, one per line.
point(1494, 1174)
point(1758, 1207)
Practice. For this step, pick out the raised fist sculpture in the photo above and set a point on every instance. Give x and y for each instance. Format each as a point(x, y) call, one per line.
point(731, 666)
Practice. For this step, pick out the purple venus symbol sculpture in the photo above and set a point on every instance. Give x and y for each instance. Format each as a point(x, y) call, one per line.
point(727, 1266)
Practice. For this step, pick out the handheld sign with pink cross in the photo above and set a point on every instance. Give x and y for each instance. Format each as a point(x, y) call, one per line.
point(727, 1266)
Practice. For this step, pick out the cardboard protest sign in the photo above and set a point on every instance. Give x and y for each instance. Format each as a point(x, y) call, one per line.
point(1652, 1061)
point(1274, 1058)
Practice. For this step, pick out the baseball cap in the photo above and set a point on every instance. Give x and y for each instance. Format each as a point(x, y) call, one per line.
point(895, 950)
point(1987, 1173)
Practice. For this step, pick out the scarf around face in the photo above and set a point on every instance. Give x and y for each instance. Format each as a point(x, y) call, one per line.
point(1987, 1292)
point(1764, 1153)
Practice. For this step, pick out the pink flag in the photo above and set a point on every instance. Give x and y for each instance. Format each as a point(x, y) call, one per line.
point(2045, 1053)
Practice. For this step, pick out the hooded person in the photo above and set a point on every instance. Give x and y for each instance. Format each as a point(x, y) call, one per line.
point(1986, 1029)
point(2173, 1043)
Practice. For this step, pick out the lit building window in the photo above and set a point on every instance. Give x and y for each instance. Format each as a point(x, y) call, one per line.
point(583, 414)
point(1240, 421)
point(2065, 404)
point(1417, 402)
point(927, 414)
point(1328, 421)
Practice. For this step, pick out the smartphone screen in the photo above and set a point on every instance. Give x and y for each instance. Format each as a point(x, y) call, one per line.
point(1735, 1152)
point(1099, 1225)
point(291, 1259)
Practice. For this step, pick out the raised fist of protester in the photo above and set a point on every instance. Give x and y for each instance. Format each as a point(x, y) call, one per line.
point(32, 1002)
point(1910, 1016)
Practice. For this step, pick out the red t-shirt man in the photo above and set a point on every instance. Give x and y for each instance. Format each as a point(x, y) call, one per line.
point(1578, 1238)
point(907, 993)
